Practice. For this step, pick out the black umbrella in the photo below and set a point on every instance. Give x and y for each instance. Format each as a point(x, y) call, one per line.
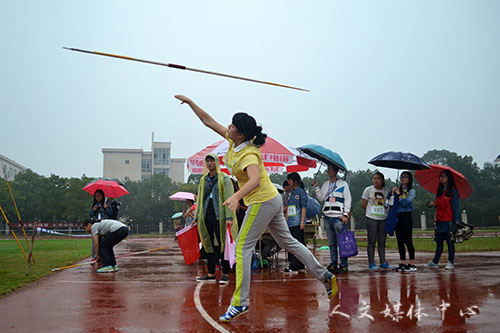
point(399, 160)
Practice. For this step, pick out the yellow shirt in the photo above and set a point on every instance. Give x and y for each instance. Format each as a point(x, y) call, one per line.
point(237, 159)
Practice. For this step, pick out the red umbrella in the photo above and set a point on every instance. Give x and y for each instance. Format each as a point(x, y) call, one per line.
point(277, 156)
point(429, 179)
point(111, 188)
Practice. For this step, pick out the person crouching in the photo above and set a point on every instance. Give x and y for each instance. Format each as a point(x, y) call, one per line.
point(105, 235)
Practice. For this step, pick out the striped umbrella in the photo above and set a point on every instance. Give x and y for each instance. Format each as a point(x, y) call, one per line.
point(276, 155)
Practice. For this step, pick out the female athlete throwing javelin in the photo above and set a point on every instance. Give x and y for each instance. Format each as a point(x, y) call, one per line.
point(265, 205)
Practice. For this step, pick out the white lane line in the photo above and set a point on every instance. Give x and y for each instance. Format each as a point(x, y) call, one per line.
point(395, 274)
point(204, 313)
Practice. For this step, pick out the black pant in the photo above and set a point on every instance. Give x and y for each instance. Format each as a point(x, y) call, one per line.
point(106, 243)
point(213, 229)
point(404, 231)
point(296, 264)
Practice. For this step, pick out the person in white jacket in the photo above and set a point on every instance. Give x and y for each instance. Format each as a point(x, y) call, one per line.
point(336, 210)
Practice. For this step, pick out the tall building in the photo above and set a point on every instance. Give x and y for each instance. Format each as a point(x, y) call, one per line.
point(9, 169)
point(137, 164)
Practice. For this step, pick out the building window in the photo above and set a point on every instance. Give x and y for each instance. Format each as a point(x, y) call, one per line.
point(127, 161)
point(146, 165)
point(161, 156)
point(163, 171)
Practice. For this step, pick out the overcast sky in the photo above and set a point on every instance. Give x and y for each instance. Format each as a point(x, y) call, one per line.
point(383, 75)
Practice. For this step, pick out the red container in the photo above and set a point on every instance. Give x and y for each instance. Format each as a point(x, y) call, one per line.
point(189, 243)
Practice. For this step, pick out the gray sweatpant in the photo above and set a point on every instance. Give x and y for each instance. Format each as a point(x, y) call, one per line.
point(259, 216)
point(376, 234)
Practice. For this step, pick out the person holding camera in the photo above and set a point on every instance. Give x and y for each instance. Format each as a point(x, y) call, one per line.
point(101, 210)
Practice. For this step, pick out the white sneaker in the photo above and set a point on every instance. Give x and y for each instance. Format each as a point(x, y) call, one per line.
point(449, 265)
point(431, 264)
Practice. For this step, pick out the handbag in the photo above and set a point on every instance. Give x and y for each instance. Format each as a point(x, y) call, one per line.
point(347, 243)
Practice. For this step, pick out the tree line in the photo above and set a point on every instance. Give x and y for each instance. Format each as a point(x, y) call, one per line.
point(59, 199)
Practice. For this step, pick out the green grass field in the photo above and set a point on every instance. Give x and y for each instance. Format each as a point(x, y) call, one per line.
point(48, 253)
point(474, 244)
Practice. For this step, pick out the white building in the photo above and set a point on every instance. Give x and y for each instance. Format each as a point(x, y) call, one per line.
point(9, 169)
point(137, 164)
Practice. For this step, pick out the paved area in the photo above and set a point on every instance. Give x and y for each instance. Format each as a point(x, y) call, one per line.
point(156, 292)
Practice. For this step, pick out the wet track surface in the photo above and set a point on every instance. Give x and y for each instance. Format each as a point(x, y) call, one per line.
point(156, 292)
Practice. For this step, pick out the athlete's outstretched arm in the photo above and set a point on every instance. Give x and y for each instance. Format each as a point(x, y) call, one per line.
point(205, 118)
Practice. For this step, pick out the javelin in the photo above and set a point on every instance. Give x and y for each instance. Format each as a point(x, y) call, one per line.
point(122, 256)
point(182, 67)
point(18, 214)
point(13, 233)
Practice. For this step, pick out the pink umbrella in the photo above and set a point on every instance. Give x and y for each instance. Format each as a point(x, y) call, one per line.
point(111, 188)
point(182, 196)
point(277, 156)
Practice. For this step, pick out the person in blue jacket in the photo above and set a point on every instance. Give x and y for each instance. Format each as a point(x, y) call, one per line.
point(296, 217)
point(405, 194)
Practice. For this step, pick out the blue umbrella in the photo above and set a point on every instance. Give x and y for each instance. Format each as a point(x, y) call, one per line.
point(177, 215)
point(399, 160)
point(324, 155)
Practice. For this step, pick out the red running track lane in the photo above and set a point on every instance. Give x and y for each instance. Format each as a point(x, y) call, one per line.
point(155, 292)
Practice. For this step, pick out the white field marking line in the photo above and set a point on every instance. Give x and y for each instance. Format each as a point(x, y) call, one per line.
point(441, 271)
point(204, 313)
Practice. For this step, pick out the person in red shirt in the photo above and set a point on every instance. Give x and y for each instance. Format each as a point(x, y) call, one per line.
point(447, 214)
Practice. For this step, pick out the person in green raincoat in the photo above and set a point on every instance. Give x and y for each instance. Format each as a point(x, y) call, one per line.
point(212, 217)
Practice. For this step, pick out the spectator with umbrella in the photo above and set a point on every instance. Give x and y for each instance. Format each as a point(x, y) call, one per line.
point(405, 194)
point(103, 209)
point(448, 185)
point(400, 213)
point(337, 201)
point(100, 209)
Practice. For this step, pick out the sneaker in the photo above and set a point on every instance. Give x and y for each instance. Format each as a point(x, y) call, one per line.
point(224, 280)
point(233, 312)
point(432, 264)
point(116, 268)
point(330, 284)
point(343, 269)
point(449, 265)
point(386, 266)
point(106, 269)
point(412, 268)
point(289, 271)
point(372, 267)
point(205, 278)
point(402, 268)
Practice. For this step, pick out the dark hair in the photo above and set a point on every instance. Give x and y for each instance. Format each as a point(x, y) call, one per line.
point(103, 197)
point(378, 173)
point(410, 182)
point(450, 187)
point(209, 157)
point(296, 178)
point(247, 126)
point(333, 166)
point(190, 201)
point(285, 183)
